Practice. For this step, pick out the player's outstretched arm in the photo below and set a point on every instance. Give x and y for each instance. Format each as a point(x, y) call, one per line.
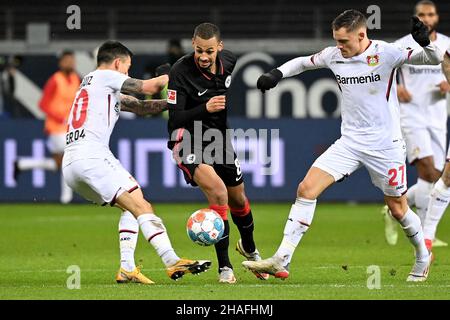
point(142, 107)
point(150, 86)
point(291, 68)
point(430, 55)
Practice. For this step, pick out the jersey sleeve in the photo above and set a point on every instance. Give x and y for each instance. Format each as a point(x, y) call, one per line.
point(177, 97)
point(429, 55)
point(115, 80)
point(301, 64)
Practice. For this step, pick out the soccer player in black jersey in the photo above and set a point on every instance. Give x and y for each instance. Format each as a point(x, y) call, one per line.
point(197, 106)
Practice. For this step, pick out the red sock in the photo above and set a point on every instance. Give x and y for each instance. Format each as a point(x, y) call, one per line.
point(222, 210)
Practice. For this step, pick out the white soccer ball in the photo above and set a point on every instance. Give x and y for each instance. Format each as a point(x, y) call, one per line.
point(205, 227)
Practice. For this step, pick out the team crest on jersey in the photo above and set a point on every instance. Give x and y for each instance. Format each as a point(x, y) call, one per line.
point(117, 108)
point(227, 82)
point(172, 96)
point(373, 60)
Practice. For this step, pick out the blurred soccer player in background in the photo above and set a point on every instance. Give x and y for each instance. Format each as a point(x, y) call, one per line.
point(423, 118)
point(57, 98)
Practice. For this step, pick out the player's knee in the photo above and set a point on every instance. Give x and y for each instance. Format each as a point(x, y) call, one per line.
point(143, 206)
point(397, 207)
point(306, 190)
point(426, 171)
point(430, 175)
point(219, 196)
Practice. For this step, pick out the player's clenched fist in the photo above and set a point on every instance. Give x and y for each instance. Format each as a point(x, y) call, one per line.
point(216, 104)
point(420, 32)
point(269, 80)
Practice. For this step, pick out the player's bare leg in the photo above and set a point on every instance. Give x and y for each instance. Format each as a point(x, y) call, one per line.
point(410, 223)
point(299, 220)
point(155, 232)
point(216, 192)
point(241, 214)
point(439, 200)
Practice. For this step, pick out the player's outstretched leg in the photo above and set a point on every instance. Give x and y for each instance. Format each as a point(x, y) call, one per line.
point(298, 222)
point(155, 232)
point(241, 214)
point(410, 223)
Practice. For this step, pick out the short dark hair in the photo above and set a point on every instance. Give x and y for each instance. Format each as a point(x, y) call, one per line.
point(64, 53)
point(424, 3)
point(111, 50)
point(350, 20)
point(207, 31)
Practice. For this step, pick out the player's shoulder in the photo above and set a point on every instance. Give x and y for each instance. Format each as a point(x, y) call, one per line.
point(443, 39)
point(228, 57)
point(105, 73)
point(405, 41)
point(442, 36)
point(391, 48)
point(328, 54)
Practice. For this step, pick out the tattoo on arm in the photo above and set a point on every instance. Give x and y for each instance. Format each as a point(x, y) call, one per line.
point(142, 107)
point(132, 86)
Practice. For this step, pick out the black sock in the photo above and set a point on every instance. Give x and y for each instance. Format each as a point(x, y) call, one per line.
point(222, 248)
point(245, 227)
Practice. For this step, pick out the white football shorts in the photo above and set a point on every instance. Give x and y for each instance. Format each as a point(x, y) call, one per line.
point(386, 168)
point(101, 181)
point(426, 142)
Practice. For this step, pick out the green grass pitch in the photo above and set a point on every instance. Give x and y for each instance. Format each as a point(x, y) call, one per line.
point(39, 242)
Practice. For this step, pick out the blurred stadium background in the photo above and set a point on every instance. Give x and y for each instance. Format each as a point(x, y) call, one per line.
point(262, 33)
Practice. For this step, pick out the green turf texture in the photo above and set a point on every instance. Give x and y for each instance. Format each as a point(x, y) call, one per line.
point(40, 241)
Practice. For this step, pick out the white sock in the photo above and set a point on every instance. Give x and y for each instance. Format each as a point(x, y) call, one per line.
point(413, 230)
point(422, 198)
point(439, 200)
point(299, 220)
point(32, 163)
point(128, 235)
point(66, 192)
point(155, 232)
point(411, 195)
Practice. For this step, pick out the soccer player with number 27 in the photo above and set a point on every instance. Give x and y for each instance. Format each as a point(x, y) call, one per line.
point(371, 135)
